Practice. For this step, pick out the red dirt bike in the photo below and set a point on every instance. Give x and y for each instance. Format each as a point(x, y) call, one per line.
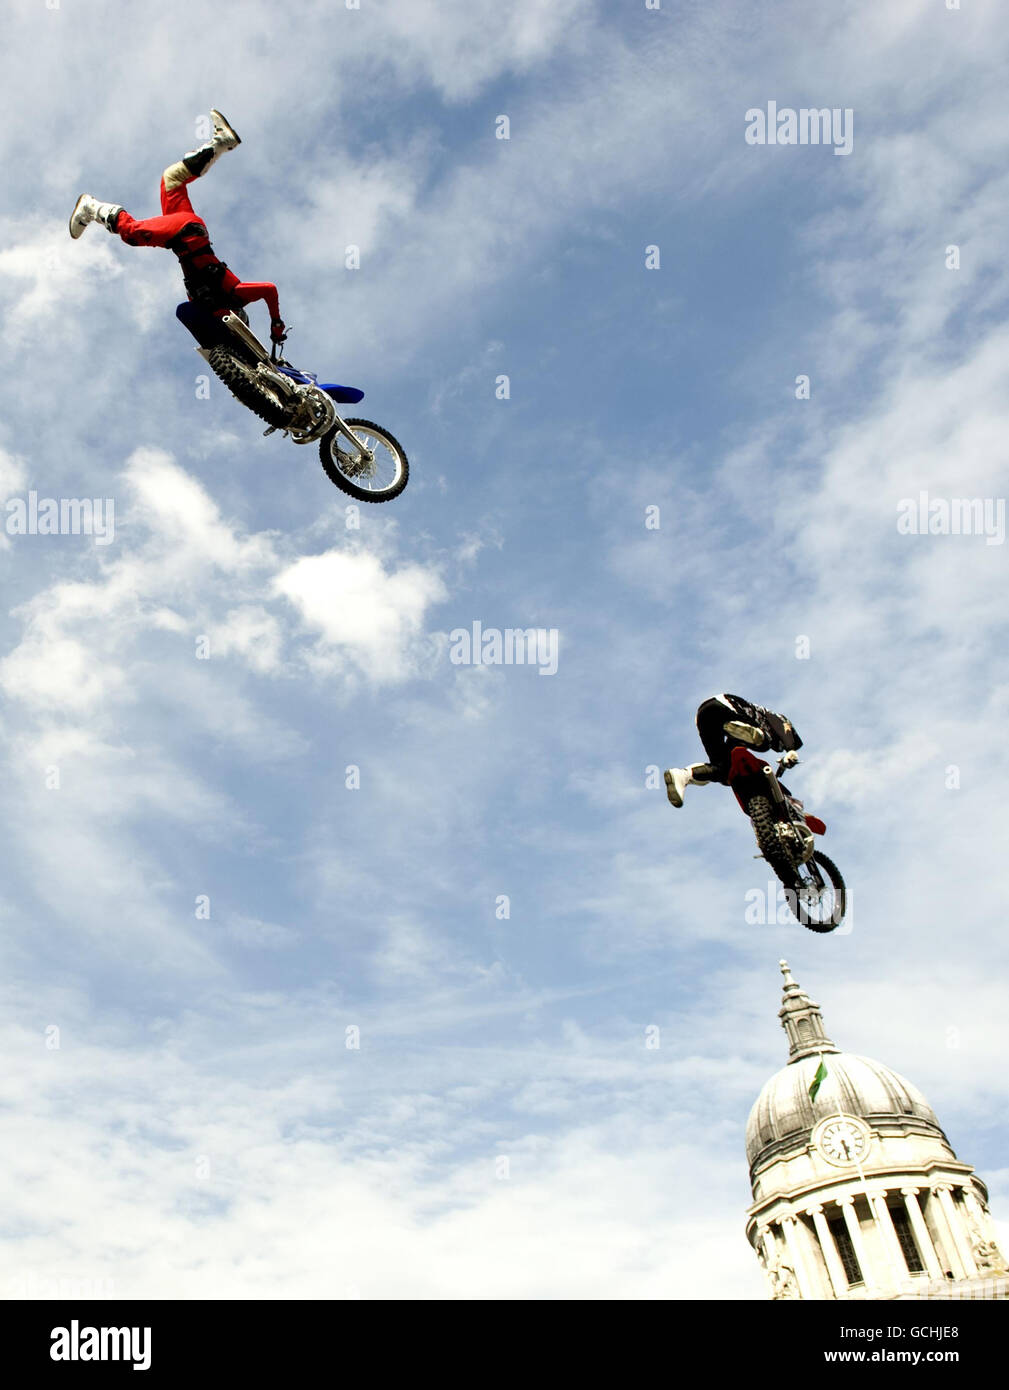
point(814, 889)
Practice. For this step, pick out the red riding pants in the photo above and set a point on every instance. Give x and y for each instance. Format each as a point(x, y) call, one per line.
point(177, 212)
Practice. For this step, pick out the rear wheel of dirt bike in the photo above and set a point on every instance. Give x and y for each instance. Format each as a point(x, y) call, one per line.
point(377, 479)
point(818, 910)
point(246, 385)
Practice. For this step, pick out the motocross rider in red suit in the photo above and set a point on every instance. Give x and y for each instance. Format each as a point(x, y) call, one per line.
point(208, 280)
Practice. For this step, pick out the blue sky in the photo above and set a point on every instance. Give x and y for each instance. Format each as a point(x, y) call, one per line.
point(202, 1128)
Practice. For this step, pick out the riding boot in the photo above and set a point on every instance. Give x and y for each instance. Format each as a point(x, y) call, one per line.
point(224, 138)
point(744, 732)
point(88, 210)
point(679, 778)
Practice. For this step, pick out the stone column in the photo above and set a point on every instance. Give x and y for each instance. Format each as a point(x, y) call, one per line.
point(847, 1205)
point(974, 1206)
point(798, 1263)
point(921, 1233)
point(838, 1278)
point(949, 1246)
point(960, 1242)
point(884, 1224)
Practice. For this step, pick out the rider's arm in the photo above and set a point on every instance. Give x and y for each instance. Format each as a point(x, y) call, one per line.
point(247, 293)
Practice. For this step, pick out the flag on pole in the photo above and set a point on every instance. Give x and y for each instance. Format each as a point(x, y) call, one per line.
point(818, 1079)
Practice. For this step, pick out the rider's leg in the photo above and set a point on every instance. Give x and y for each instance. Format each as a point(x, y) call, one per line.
point(679, 778)
point(153, 231)
point(176, 209)
point(174, 194)
point(195, 164)
point(711, 718)
point(740, 731)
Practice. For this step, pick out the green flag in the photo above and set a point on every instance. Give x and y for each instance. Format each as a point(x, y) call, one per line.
point(818, 1079)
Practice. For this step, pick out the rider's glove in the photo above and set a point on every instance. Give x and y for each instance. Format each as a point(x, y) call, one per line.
point(278, 331)
point(790, 759)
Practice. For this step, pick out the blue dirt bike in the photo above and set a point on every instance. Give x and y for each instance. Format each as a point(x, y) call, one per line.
point(361, 458)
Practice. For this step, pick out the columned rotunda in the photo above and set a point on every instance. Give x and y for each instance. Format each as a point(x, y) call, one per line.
point(857, 1193)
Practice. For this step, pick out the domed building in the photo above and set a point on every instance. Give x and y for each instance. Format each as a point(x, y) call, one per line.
point(857, 1193)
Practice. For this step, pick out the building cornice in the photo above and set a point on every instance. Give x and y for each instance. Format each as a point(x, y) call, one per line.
point(822, 1191)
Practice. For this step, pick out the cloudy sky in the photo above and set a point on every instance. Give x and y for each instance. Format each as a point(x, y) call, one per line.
point(183, 1115)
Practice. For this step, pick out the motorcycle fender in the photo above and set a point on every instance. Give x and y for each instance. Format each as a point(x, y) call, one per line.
point(742, 762)
point(344, 395)
point(815, 824)
point(744, 775)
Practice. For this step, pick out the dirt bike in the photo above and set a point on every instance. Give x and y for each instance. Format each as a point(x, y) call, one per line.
point(360, 457)
point(814, 888)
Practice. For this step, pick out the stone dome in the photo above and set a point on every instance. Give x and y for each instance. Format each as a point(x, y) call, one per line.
point(855, 1085)
point(783, 1115)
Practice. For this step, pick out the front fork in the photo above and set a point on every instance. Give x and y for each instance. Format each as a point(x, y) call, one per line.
point(774, 788)
point(802, 834)
point(365, 456)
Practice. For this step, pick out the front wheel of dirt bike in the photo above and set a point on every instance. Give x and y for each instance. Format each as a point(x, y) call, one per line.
point(816, 900)
point(820, 908)
point(378, 476)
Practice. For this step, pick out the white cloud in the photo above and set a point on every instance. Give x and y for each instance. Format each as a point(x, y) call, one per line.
point(460, 48)
point(194, 1164)
point(365, 615)
point(47, 279)
point(254, 633)
point(12, 473)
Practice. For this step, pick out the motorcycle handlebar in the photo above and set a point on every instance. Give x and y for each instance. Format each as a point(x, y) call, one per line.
point(276, 349)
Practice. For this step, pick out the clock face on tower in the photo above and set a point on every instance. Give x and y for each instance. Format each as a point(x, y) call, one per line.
point(842, 1140)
